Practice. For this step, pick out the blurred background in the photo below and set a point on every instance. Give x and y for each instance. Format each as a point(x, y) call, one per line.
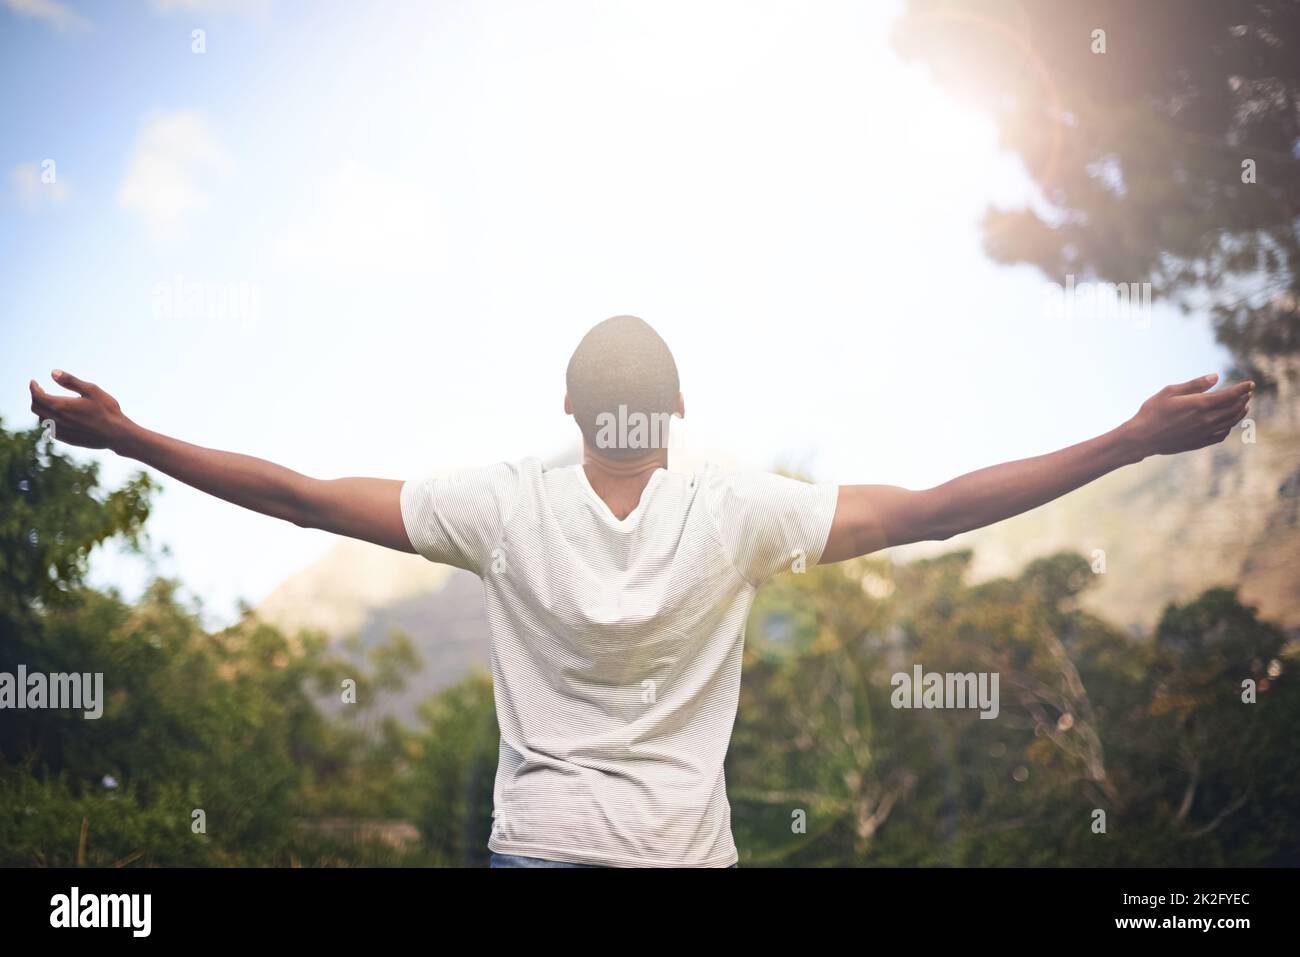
point(887, 242)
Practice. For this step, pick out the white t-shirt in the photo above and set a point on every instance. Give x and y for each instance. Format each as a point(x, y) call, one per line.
point(616, 645)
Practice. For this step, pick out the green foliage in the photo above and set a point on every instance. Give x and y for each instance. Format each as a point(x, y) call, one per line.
point(232, 724)
point(1138, 150)
point(51, 521)
point(1153, 733)
point(455, 763)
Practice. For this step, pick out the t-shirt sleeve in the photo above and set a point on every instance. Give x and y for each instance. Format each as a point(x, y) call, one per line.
point(457, 519)
point(771, 523)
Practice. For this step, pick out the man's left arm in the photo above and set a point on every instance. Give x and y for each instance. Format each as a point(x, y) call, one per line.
point(1178, 418)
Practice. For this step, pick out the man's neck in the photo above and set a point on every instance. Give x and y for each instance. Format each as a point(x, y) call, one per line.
point(620, 483)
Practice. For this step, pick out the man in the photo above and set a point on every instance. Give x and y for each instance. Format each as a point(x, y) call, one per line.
point(617, 591)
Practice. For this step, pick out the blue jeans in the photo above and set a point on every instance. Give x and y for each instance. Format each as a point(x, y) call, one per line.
point(514, 860)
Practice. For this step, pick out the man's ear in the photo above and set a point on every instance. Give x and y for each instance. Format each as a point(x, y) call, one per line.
point(681, 406)
point(568, 405)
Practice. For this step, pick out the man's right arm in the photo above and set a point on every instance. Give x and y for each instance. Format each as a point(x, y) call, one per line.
point(364, 508)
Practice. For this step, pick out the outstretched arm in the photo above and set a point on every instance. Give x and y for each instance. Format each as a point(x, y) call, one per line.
point(1178, 418)
point(364, 508)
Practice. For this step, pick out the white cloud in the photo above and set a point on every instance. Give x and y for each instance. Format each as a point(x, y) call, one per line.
point(363, 220)
point(35, 191)
point(246, 7)
point(51, 12)
point(172, 154)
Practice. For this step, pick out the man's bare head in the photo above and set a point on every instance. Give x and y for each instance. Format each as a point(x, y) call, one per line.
point(622, 389)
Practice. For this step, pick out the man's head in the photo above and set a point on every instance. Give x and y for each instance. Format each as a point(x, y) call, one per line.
point(622, 389)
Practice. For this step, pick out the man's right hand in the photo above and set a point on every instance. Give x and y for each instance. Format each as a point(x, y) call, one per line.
point(92, 419)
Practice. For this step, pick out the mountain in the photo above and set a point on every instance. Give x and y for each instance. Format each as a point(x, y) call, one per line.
point(1167, 528)
point(363, 590)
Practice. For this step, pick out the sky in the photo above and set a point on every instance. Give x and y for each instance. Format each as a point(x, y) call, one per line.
point(364, 238)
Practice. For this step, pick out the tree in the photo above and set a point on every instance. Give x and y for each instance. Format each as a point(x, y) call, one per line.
point(1164, 140)
point(229, 724)
point(1106, 749)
